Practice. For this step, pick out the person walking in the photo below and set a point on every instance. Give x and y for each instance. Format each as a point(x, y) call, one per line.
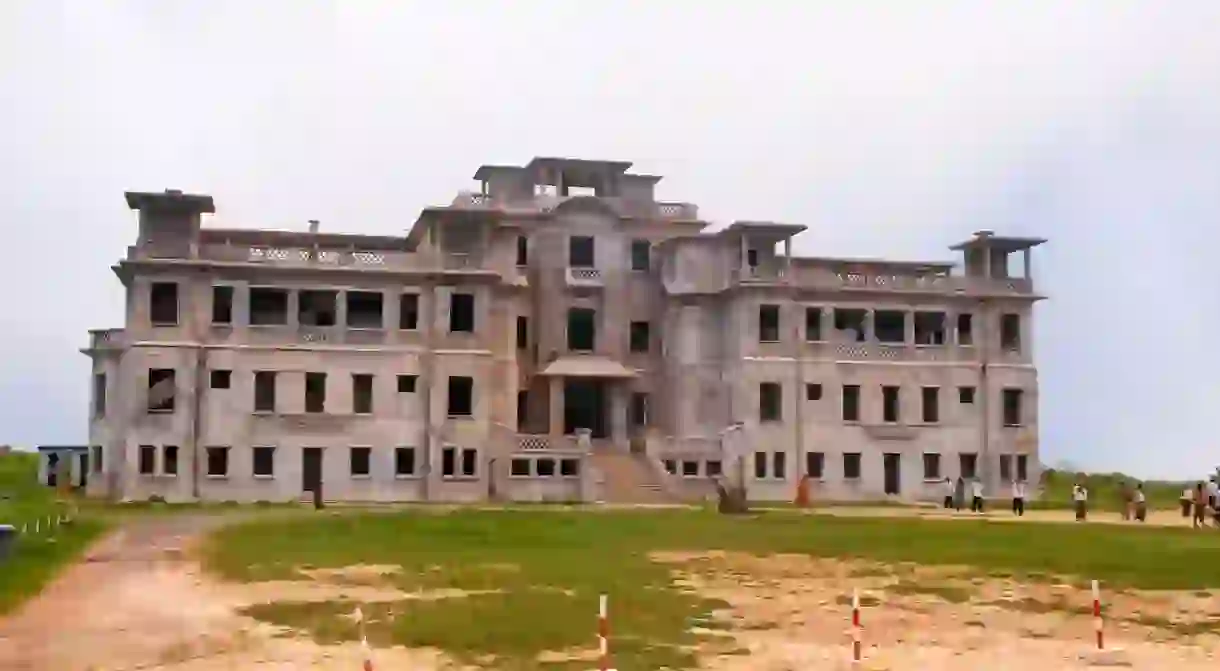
point(1141, 503)
point(1018, 498)
point(948, 487)
point(1200, 506)
point(1126, 500)
point(1080, 498)
point(1186, 501)
point(976, 495)
point(959, 494)
point(1212, 491)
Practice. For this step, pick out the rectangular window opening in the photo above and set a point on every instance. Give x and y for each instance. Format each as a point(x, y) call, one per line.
point(713, 468)
point(1022, 467)
point(770, 402)
point(1005, 468)
point(268, 306)
point(891, 410)
point(315, 392)
point(222, 305)
point(582, 329)
point(220, 379)
point(519, 467)
point(99, 395)
point(965, 329)
point(779, 465)
point(640, 250)
point(851, 465)
point(470, 462)
point(169, 459)
point(690, 468)
point(931, 404)
point(929, 328)
point(640, 337)
point(317, 307)
point(406, 384)
point(163, 303)
point(364, 310)
point(851, 403)
point(639, 409)
point(461, 396)
point(580, 252)
point(1010, 332)
point(1011, 402)
point(161, 390)
point(264, 462)
point(931, 466)
point(264, 391)
point(760, 465)
point(968, 465)
point(850, 323)
point(523, 332)
point(523, 251)
point(815, 464)
point(359, 459)
point(813, 391)
point(768, 323)
point(408, 312)
point(965, 395)
point(890, 326)
point(569, 468)
point(404, 461)
point(218, 461)
point(813, 324)
point(148, 459)
point(362, 393)
point(461, 312)
point(545, 468)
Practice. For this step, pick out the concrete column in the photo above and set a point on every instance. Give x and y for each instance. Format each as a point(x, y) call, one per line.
point(42, 468)
point(294, 307)
point(908, 328)
point(618, 412)
point(870, 335)
point(555, 398)
point(1025, 257)
point(341, 309)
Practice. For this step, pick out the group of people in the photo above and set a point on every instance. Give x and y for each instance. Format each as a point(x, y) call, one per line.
point(1203, 500)
point(955, 495)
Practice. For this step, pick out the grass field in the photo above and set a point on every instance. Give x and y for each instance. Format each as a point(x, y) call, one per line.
point(37, 557)
point(543, 570)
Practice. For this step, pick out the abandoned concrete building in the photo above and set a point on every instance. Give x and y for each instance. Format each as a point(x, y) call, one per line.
point(556, 334)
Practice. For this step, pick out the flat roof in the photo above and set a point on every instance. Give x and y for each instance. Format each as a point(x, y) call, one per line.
point(170, 199)
point(1002, 242)
point(266, 236)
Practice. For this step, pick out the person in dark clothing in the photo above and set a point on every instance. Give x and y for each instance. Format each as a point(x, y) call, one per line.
point(959, 494)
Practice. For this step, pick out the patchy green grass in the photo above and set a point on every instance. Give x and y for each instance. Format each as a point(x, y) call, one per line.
point(950, 593)
point(36, 557)
point(548, 566)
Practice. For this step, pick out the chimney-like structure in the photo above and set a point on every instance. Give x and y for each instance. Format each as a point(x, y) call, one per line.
point(313, 226)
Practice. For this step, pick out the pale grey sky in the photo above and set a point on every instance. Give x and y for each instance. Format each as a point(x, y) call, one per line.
point(889, 128)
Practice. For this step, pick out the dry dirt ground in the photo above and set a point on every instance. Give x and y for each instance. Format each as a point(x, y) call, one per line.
point(140, 602)
point(999, 513)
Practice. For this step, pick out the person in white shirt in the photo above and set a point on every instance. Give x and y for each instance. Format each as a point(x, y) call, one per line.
point(949, 488)
point(1018, 498)
point(1080, 497)
point(1211, 492)
point(1141, 503)
point(976, 496)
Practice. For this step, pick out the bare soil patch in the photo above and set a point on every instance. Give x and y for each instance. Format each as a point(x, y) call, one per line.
point(793, 611)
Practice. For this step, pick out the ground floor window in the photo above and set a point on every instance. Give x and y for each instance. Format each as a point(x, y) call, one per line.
point(264, 462)
point(148, 459)
point(815, 465)
point(358, 461)
point(218, 461)
point(690, 469)
point(760, 465)
point(459, 463)
point(931, 466)
point(713, 468)
point(779, 465)
point(851, 465)
point(543, 467)
point(169, 459)
point(404, 461)
point(519, 467)
point(97, 458)
point(671, 467)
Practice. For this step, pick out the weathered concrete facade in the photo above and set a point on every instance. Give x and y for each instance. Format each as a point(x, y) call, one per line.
point(559, 315)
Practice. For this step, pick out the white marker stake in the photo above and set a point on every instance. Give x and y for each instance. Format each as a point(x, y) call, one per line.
point(855, 627)
point(37, 522)
point(603, 632)
point(1097, 614)
point(365, 652)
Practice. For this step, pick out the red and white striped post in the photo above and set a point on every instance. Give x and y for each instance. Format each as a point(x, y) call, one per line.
point(1097, 615)
point(855, 626)
point(366, 653)
point(603, 632)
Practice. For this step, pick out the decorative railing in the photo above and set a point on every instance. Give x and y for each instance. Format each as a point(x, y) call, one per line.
point(106, 338)
point(931, 282)
point(584, 275)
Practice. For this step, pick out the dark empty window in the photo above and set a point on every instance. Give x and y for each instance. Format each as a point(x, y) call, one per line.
point(449, 462)
point(268, 306)
point(967, 465)
point(813, 324)
point(770, 402)
point(358, 460)
point(713, 468)
point(580, 252)
point(931, 404)
point(851, 403)
point(470, 462)
point(364, 309)
point(1022, 467)
point(99, 394)
point(929, 328)
point(523, 409)
point(362, 393)
point(316, 307)
point(523, 250)
point(890, 408)
point(639, 408)
point(851, 322)
point(163, 303)
point(1010, 332)
point(779, 465)
point(813, 391)
point(931, 466)
point(582, 329)
point(671, 466)
point(461, 396)
point(96, 462)
point(569, 468)
point(461, 313)
point(406, 384)
point(545, 468)
point(965, 329)
point(315, 392)
point(890, 326)
point(264, 462)
point(760, 465)
point(264, 391)
point(752, 257)
point(148, 459)
point(523, 332)
point(1011, 401)
point(965, 395)
point(408, 312)
point(639, 254)
point(221, 379)
point(519, 467)
point(218, 461)
point(639, 336)
point(404, 461)
point(1005, 468)
point(169, 459)
point(768, 323)
point(851, 465)
point(815, 464)
point(161, 390)
point(690, 468)
point(222, 304)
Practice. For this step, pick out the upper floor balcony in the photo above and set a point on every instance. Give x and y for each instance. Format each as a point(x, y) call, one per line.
point(546, 202)
point(583, 276)
point(323, 259)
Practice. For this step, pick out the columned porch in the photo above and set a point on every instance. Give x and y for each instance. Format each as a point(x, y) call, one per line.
point(588, 392)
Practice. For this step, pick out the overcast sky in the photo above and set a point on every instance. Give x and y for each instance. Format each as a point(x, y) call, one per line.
point(890, 129)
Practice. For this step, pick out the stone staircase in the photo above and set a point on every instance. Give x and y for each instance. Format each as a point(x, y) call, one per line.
point(629, 478)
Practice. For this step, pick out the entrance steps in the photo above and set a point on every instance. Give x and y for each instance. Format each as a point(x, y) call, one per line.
point(629, 478)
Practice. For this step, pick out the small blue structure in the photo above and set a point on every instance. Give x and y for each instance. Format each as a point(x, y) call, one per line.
point(56, 462)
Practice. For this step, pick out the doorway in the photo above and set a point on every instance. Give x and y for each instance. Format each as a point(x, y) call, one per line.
point(893, 473)
point(311, 468)
point(84, 469)
point(52, 469)
point(584, 406)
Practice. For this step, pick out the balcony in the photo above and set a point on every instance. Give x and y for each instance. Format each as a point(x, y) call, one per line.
point(815, 276)
point(293, 256)
point(107, 339)
point(584, 277)
point(768, 273)
point(545, 202)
